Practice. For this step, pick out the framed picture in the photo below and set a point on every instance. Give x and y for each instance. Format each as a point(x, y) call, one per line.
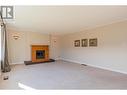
point(93, 42)
point(84, 42)
point(77, 43)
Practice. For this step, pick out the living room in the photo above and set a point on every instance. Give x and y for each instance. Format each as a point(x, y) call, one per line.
point(64, 47)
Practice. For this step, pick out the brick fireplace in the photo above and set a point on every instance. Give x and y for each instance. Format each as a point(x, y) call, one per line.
point(40, 53)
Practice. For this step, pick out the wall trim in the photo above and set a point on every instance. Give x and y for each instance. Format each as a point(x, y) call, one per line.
point(105, 68)
point(16, 63)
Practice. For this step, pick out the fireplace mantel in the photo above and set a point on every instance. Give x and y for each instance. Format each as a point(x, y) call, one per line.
point(39, 53)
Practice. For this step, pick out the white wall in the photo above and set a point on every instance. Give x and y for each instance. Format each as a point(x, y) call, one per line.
point(111, 52)
point(54, 47)
point(20, 50)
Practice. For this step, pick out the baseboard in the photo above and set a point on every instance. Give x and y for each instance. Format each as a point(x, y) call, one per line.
point(16, 63)
point(72, 61)
point(105, 68)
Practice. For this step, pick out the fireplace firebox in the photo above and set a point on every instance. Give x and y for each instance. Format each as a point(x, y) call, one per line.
point(40, 54)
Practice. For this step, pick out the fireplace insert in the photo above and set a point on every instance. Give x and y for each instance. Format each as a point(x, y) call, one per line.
point(40, 54)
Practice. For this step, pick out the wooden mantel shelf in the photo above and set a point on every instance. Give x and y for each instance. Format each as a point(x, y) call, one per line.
point(39, 45)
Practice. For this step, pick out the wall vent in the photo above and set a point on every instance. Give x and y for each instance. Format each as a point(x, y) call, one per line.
point(84, 64)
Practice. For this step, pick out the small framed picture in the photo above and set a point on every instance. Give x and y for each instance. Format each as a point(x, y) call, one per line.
point(77, 43)
point(84, 42)
point(93, 42)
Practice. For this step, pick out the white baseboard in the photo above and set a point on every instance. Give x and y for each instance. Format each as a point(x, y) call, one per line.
point(105, 68)
point(16, 63)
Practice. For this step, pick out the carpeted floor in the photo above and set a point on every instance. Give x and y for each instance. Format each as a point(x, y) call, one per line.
point(62, 75)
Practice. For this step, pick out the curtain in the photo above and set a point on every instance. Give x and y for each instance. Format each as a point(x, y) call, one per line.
point(5, 67)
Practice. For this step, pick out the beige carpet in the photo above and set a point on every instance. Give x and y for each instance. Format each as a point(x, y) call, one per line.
point(62, 75)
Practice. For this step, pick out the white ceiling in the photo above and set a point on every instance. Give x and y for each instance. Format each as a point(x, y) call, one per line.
point(65, 19)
